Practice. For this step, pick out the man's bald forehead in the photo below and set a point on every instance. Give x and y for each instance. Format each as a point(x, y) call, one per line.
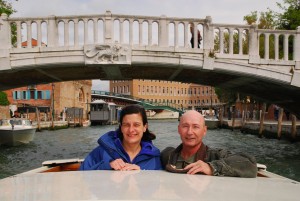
point(192, 114)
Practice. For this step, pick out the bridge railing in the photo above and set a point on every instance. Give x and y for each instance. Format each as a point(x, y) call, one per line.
point(140, 100)
point(219, 40)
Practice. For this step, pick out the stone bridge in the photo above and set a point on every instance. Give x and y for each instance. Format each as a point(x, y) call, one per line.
point(112, 46)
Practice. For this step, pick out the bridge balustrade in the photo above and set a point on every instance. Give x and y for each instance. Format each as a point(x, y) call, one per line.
point(241, 41)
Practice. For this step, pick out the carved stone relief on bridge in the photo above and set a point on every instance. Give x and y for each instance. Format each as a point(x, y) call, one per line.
point(107, 54)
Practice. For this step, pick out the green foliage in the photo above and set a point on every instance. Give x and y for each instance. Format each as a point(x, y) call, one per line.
point(3, 99)
point(6, 7)
point(290, 18)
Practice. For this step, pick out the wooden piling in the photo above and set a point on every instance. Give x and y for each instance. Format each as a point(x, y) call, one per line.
point(294, 127)
point(279, 125)
point(233, 118)
point(37, 113)
point(262, 119)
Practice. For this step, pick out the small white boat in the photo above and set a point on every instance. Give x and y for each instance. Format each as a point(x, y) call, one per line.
point(16, 131)
point(59, 180)
point(211, 122)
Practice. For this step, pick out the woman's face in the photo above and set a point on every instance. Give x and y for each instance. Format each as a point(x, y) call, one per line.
point(132, 128)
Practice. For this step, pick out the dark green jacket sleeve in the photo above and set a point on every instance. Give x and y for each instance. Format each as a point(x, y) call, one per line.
point(225, 163)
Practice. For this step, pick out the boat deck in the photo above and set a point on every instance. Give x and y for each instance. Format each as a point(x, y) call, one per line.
point(143, 185)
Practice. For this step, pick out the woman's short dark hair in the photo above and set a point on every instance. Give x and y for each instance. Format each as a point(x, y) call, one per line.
point(135, 109)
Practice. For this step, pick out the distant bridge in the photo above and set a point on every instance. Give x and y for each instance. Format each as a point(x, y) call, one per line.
point(113, 46)
point(127, 99)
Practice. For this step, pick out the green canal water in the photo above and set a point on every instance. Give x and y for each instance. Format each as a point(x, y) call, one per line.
point(280, 156)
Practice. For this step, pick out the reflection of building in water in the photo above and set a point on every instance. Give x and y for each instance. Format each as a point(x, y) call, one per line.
point(186, 95)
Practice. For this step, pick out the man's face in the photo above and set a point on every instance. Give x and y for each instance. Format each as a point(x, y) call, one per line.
point(191, 129)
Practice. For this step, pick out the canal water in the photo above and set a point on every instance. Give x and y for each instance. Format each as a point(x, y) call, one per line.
point(280, 156)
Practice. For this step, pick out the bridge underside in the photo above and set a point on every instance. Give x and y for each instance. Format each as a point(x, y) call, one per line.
point(284, 95)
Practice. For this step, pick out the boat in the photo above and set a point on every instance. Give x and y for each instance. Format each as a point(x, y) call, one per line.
point(212, 122)
point(16, 131)
point(60, 180)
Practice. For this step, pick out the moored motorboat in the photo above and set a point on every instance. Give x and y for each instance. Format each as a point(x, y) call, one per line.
point(59, 180)
point(212, 122)
point(16, 131)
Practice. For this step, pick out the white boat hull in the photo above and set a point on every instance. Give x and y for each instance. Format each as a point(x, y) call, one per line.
point(17, 136)
point(21, 133)
point(144, 185)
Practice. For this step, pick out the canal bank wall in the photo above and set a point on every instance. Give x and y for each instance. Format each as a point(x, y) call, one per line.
point(270, 128)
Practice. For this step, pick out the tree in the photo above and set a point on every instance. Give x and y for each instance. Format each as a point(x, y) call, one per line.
point(6, 7)
point(290, 18)
point(3, 99)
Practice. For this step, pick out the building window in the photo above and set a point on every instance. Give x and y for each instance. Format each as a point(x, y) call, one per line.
point(32, 94)
point(39, 95)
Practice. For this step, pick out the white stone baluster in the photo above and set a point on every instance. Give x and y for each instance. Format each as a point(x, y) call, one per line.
point(86, 34)
point(221, 40)
point(76, 37)
point(195, 36)
point(140, 32)
point(286, 47)
point(95, 27)
point(19, 35)
point(276, 46)
point(131, 31)
point(39, 33)
point(240, 32)
point(150, 32)
point(29, 37)
point(121, 31)
point(296, 55)
point(176, 34)
point(66, 33)
point(266, 44)
point(186, 34)
point(230, 30)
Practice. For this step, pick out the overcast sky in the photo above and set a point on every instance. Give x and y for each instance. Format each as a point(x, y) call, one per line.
point(221, 11)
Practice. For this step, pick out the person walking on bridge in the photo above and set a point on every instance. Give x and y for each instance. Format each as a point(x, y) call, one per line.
point(193, 156)
point(199, 37)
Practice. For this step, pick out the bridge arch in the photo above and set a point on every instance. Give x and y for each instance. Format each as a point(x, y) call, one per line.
point(241, 70)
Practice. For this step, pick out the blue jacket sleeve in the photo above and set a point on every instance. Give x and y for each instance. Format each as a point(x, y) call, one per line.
point(94, 161)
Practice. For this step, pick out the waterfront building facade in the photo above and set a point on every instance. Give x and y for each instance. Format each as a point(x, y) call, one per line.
point(59, 96)
point(184, 95)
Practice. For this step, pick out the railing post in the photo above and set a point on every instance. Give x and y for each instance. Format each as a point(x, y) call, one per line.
point(163, 32)
point(253, 45)
point(4, 32)
point(108, 27)
point(208, 36)
point(52, 32)
point(5, 41)
point(296, 55)
point(296, 75)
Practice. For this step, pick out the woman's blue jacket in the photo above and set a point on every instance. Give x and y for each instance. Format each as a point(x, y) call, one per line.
point(110, 148)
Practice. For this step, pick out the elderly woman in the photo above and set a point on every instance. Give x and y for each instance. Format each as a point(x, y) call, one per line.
point(128, 148)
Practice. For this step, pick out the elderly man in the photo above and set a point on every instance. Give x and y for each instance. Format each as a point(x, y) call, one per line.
point(192, 156)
